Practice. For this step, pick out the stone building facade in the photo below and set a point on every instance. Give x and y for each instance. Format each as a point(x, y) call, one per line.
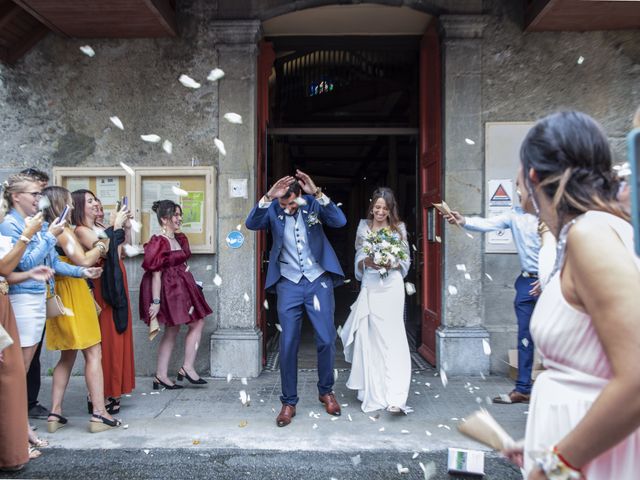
point(56, 103)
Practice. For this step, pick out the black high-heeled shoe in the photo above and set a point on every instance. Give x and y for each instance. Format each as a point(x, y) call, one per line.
point(182, 373)
point(157, 383)
point(112, 407)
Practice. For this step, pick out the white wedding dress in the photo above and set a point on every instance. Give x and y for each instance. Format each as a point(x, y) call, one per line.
point(374, 337)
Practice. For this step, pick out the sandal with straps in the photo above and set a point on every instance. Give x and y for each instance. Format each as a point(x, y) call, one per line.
point(57, 424)
point(103, 424)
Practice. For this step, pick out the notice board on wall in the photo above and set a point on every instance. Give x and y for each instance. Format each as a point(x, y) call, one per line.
point(193, 189)
point(502, 161)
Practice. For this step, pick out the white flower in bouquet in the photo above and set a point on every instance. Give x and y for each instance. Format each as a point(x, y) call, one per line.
point(385, 248)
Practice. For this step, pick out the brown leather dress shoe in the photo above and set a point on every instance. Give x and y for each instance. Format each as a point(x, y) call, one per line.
point(330, 404)
point(287, 412)
point(512, 397)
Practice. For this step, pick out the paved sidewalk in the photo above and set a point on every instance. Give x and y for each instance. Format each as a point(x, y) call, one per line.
point(212, 417)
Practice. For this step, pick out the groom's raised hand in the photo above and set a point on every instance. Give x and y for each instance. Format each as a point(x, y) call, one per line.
point(306, 183)
point(279, 189)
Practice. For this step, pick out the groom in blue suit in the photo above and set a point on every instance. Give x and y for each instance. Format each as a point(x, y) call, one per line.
point(303, 271)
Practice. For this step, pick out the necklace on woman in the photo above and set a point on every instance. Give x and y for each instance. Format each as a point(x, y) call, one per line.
point(561, 247)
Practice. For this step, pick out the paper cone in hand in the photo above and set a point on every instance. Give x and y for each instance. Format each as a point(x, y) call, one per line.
point(481, 426)
point(444, 209)
point(154, 328)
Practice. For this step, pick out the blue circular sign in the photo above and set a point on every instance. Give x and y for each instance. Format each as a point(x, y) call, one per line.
point(235, 239)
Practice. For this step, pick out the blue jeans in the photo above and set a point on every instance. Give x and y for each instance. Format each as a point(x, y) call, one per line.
point(292, 299)
point(524, 305)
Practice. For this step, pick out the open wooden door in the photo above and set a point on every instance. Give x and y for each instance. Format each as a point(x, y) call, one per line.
point(266, 57)
point(430, 165)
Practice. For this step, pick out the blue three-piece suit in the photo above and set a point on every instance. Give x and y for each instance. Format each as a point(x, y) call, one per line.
point(303, 271)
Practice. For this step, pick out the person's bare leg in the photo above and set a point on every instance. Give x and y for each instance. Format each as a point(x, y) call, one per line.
point(61, 375)
point(191, 344)
point(94, 378)
point(164, 353)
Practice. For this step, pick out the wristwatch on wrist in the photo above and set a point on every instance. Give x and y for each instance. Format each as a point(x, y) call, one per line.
point(156, 301)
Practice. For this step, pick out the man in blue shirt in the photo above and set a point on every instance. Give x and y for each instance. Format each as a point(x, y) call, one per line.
point(524, 228)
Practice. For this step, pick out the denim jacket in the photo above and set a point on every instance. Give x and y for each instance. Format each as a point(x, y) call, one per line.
point(40, 251)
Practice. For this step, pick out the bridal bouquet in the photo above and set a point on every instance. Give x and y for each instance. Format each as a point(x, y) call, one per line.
point(385, 247)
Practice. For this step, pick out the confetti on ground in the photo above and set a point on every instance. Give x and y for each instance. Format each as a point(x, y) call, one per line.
point(243, 381)
point(316, 303)
point(167, 146)
point(402, 469)
point(196, 442)
point(373, 419)
point(453, 290)
point(243, 423)
point(486, 348)
point(246, 297)
point(233, 118)
point(469, 141)
point(125, 426)
point(461, 267)
point(482, 376)
point(417, 393)
point(429, 470)
point(381, 429)
point(87, 50)
point(333, 419)
point(488, 400)
point(315, 426)
point(209, 267)
point(349, 417)
point(428, 433)
point(356, 460)
point(244, 398)
point(151, 138)
point(409, 288)
point(467, 276)
point(220, 146)
point(146, 451)
point(215, 74)
point(188, 82)
point(178, 415)
point(415, 455)
point(335, 374)
point(217, 280)
point(127, 169)
point(404, 432)
point(117, 122)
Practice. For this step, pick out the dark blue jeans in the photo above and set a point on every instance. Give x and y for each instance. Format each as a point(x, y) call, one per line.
point(524, 305)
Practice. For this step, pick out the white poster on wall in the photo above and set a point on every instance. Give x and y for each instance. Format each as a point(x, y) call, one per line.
point(108, 190)
point(500, 201)
point(80, 183)
point(153, 190)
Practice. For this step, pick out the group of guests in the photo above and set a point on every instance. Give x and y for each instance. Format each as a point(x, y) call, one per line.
point(63, 283)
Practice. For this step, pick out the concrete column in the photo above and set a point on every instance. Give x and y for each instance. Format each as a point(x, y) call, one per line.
point(459, 338)
point(236, 346)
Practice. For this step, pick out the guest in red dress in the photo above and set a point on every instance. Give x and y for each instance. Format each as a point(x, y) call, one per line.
point(169, 294)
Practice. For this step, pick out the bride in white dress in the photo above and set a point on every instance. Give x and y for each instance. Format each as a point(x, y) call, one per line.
point(374, 337)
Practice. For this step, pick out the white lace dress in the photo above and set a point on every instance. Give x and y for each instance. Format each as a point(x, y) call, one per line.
point(577, 369)
point(374, 337)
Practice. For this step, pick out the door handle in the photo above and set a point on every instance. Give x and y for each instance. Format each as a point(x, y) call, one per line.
point(264, 262)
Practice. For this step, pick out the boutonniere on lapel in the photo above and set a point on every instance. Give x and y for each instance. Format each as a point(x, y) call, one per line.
point(280, 217)
point(312, 219)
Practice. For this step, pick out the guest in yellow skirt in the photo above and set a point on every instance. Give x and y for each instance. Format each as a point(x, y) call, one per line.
point(78, 329)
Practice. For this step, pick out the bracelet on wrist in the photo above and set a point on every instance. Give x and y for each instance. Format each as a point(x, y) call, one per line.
point(24, 238)
point(155, 301)
point(555, 467)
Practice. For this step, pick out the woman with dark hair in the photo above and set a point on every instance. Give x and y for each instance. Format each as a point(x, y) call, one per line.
point(111, 292)
point(170, 296)
point(374, 337)
point(78, 329)
point(585, 409)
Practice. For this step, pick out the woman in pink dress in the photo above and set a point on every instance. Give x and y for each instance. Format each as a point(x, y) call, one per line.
point(584, 416)
point(170, 295)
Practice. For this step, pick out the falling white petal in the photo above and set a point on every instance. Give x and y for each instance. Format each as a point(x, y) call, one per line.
point(486, 347)
point(467, 276)
point(381, 429)
point(233, 118)
point(217, 280)
point(188, 82)
point(243, 397)
point(580, 60)
point(167, 146)
point(300, 201)
point(443, 378)
point(489, 276)
point(246, 297)
point(335, 374)
point(229, 377)
point(87, 50)
point(348, 280)
point(469, 141)
point(402, 469)
point(151, 138)
point(179, 192)
point(410, 288)
point(349, 417)
point(117, 122)
point(315, 426)
point(266, 304)
point(239, 227)
point(415, 249)
point(127, 169)
point(482, 376)
point(131, 250)
point(209, 267)
point(279, 327)
point(453, 290)
point(438, 239)
point(43, 203)
point(461, 267)
point(415, 455)
point(356, 460)
point(220, 146)
point(525, 342)
point(135, 225)
point(404, 432)
point(468, 235)
point(68, 312)
point(339, 329)
point(146, 451)
point(316, 303)
point(215, 74)
point(191, 310)
point(339, 204)
point(178, 415)
point(428, 433)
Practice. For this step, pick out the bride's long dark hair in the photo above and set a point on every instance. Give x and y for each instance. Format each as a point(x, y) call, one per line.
point(390, 199)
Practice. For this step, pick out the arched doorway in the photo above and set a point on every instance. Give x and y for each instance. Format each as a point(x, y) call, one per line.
point(351, 95)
